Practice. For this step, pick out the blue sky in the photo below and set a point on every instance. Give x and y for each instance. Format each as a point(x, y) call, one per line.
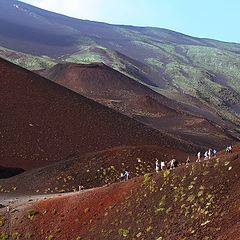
point(217, 19)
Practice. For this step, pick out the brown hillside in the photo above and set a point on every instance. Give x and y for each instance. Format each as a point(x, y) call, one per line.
point(200, 201)
point(91, 170)
point(115, 90)
point(99, 81)
point(42, 122)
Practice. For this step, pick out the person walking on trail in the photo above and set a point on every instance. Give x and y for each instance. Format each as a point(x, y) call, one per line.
point(230, 149)
point(206, 155)
point(227, 149)
point(188, 160)
point(163, 165)
point(214, 152)
point(173, 164)
point(157, 165)
point(209, 153)
point(198, 157)
point(121, 177)
point(126, 175)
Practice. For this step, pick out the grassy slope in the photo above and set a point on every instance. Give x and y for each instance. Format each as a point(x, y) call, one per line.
point(171, 63)
point(27, 61)
point(206, 70)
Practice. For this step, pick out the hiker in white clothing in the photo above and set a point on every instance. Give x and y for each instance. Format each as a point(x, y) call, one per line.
point(126, 175)
point(206, 155)
point(173, 164)
point(121, 177)
point(163, 165)
point(157, 165)
point(214, 152)
point(209, 153)
point(198, 157)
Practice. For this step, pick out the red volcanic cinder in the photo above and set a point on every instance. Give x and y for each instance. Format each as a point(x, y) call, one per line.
point(42, 122)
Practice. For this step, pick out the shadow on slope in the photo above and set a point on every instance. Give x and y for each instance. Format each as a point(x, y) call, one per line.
point(9, 172)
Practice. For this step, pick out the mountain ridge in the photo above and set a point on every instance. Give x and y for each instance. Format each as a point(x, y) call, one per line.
point(201, 74)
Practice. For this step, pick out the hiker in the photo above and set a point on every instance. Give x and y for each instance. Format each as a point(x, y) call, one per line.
point(126, 175)
point(206, 155)
point(174, 164)
point(80, 188)
point(157, 165)
point(121, 177)
point(198, 157)
point(214, 152)
point(188, 160)
point(209, 153)
point(229, 149)
point(163, 165)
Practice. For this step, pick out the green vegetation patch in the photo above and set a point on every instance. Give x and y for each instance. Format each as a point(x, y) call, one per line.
point(28, 235)
point(27, 61)
point(32, 213)
point(4, 236)
point(146, 178)
point(2, 221)
point(16, 236)
point(123, 232)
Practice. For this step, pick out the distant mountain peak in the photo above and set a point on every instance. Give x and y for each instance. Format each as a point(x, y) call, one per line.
point(170, 63)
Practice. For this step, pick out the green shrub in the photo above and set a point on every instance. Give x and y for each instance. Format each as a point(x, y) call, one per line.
point(4, 236)
point(123, 232)
point(31, 213)
point(2, 221)
point(16, 236)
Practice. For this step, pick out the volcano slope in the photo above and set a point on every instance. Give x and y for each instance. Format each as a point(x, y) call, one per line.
point(91, 170)
point(198, 201)
point(115, 90)
point(202, 73)
point(42, 122)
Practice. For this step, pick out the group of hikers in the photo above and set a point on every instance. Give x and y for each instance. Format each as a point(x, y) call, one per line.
point(207, 154)
point(162, 165)
point(212, 153)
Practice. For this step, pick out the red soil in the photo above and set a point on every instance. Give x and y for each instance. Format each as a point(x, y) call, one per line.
point(92, 170)
point(42, 122)
point(115, 90)
point(200, 201)
point(99, 81)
